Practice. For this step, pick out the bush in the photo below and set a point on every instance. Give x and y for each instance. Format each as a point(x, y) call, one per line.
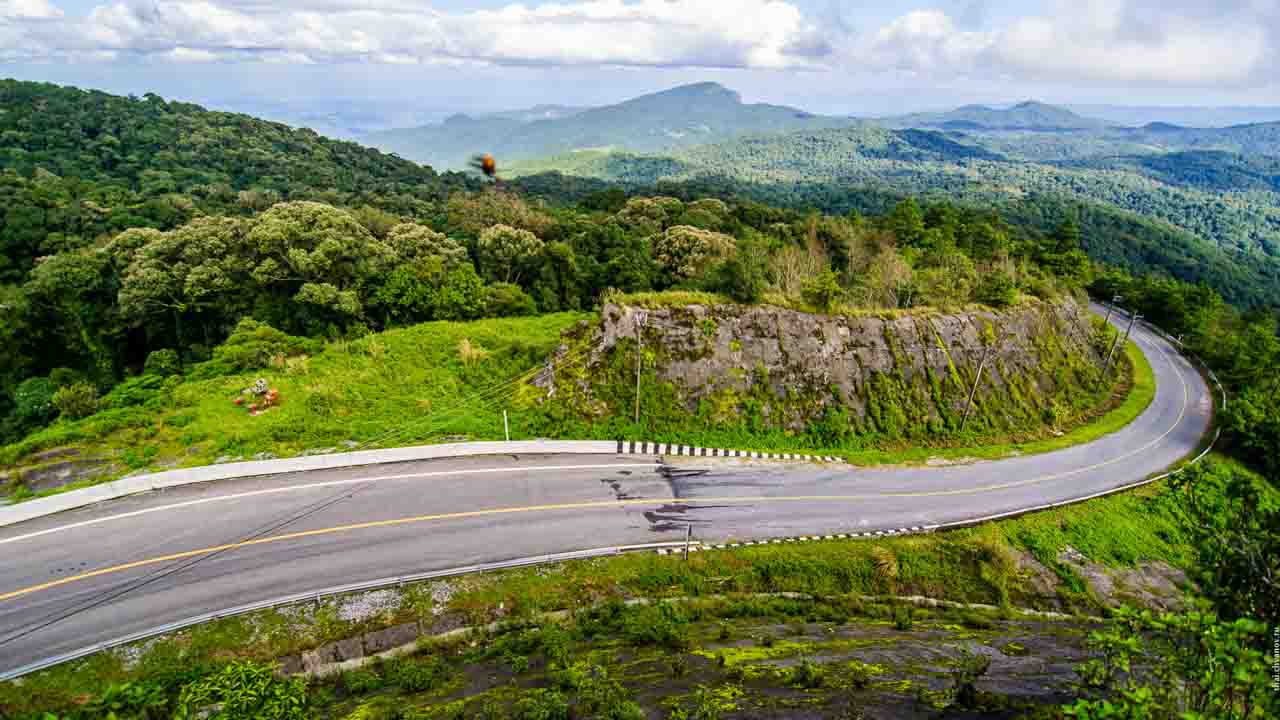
point(253, 345)
point(742, 277)
point(163, 363)
point(997, 290)
point(62, 377)
point(33, 402)
point(509, 300)
point(823, 292)
point(76, 401)
point(541, 705)
point(662, 624)
point(417, 676)
point(244, 690)
point(134, 391)
point(360, 682)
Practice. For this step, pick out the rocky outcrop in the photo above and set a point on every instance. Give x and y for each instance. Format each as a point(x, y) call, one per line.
point(897, 374)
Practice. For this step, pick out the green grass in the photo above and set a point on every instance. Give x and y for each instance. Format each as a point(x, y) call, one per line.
point(412, 386)
point(396, 388)
point(1142, 390)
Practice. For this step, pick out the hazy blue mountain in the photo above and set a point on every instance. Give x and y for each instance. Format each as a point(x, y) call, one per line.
point(1186, 116)
point(1028, 115)
point(680, 117)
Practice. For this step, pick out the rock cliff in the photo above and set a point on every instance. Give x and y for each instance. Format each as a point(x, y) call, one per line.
point(897, 375)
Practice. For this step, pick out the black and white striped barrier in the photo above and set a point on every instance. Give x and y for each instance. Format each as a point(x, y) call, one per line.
point(634, 447)
point(696, 546)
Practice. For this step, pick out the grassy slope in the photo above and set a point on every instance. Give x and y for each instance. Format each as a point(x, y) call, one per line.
point(970, 565)
point(410, 385)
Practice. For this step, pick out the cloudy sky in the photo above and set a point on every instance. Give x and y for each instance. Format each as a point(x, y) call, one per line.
point(854, 56)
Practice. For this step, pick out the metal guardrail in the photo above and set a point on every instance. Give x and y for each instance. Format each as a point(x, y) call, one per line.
point(317, 595)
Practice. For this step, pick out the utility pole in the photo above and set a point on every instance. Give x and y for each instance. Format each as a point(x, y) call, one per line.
point(986, 353)
point(1115, 300)
point(641, 316)
point(688, 538)
point(506, 427)
point(1132, 319)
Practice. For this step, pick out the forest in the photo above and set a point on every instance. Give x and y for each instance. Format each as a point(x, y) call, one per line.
point(1179, 199)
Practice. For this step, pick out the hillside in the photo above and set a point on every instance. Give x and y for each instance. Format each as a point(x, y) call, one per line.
point(1028, 115)
point(1230, 239)
point(679, 117)
point(81, 164)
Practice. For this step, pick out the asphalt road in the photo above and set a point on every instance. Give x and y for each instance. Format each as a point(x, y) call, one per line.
point(78, 578)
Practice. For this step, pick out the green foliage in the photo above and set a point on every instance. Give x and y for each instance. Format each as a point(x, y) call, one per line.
point(163, 363)
point(743, 276)
point(243, 690)
point(413, 675)
point(505, 252)
point(823, 292)
point(1234, 519)
point(76, 401)
point(996, 289)
point(542, 704)
point(33, 402)
point(1193, 665)
point(509, 300)
point(251, 346)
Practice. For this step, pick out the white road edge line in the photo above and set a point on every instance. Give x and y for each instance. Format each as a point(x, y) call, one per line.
point(328, 592)
point(311, 486)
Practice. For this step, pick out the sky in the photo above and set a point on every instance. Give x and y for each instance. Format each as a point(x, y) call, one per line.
point(400, 60)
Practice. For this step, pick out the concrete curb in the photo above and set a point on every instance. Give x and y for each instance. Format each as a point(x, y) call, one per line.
point(73, 499)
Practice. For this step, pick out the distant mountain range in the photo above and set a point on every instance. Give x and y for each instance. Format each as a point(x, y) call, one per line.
point(681, 117)
point(1029, 115)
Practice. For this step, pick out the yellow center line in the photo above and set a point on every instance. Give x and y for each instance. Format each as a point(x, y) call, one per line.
point(597, 505)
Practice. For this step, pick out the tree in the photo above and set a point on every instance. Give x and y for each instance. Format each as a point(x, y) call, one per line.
point(888, 280)
point(684, 252)
point(508, 300)
point(505, 251)
point(1177, 667)
point(742, 276)
point(907, 223)
point(412, 241)
point(824, 291)
point(1233, 518)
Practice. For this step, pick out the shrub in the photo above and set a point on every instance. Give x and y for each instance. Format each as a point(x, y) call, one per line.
point(662, 624)
point(76, 401)
point(134, 391)
point(742, 277)
point(996, 289)
point(508, 300)
point(244, 690)
point(62, 377)
point(541, 705)
point(360, 682)
point(163, 363)
point(417, 676)
point(823, 292)
point(253, 345)
point(33, 402)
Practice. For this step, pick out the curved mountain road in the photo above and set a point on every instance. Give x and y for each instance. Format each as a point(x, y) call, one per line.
point(77, 578)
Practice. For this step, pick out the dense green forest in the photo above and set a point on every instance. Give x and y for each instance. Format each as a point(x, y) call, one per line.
point(76, 166)
point(822, 169)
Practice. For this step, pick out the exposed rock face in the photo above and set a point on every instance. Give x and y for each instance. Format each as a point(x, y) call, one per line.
point(892, 375)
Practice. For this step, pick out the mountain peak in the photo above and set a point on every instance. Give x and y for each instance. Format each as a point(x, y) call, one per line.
point(702, 91)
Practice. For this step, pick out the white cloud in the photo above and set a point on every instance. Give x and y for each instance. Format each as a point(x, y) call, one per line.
point(1149, 42)
point(706, 33)
point(28, 10)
